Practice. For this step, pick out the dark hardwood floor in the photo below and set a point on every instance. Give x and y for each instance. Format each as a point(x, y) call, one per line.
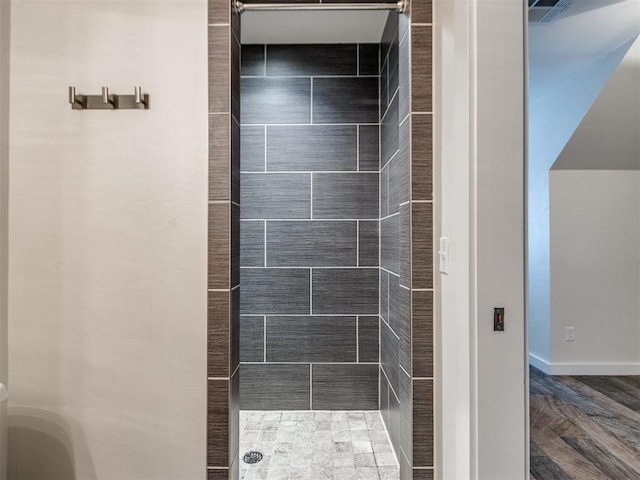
point(584, 428)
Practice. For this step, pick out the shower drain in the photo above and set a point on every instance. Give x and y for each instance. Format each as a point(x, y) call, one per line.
point(252, 457)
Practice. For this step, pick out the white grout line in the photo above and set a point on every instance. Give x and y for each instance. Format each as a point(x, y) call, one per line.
point(389, 216)
point(357, 339)
point(311, 386)
point(395, 94)
point(265, 151)
point(219, 24)
point(264, 352)
point(311, 291)
point(219, 378)
point(311, 197)
point(358, 60)
point(265, 242)
point(311, 100)
point(358, 243)
point(381, 268)
point(390, 159)
point(357, 148)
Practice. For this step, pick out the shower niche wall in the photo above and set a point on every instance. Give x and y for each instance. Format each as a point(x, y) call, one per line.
point(320, 275)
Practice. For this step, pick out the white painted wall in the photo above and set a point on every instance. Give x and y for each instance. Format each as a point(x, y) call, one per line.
point(5, 36)
point(594, 237)
point(571, 61)
point(480, 146)
point(452, 95)
point(552, 120)
point(108, 230)
point(595, 271)
point(497, 238)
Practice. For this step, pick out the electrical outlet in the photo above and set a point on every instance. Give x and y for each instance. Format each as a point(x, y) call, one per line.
point(570, 334)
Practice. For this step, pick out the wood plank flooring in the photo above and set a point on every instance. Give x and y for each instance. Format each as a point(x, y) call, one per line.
point(585, 427)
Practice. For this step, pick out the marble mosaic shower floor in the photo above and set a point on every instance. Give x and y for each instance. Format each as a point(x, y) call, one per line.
point(317, 445)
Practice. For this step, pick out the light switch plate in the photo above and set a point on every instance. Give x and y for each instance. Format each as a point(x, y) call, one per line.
point(443, 255)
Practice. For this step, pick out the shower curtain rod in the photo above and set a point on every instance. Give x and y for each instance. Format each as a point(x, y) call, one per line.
point(240, 6)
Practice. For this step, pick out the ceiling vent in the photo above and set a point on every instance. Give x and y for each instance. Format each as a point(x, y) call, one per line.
point(546, 11)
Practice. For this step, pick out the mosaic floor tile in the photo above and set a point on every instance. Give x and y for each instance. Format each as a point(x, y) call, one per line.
point(317, 445)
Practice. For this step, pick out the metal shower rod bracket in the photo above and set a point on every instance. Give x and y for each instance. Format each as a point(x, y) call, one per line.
point(400, 6)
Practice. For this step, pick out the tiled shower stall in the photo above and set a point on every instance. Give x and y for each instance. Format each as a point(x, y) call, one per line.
point(309, 227)
point(320, 235)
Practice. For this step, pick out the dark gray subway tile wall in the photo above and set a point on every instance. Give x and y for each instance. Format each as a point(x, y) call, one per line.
point(223, 312)
point(252, 338)
point(345, 195)
point(312, 148)
point(345, 291)
point(280, 95)
point(345, 100)
point(368, 242)
point(275, 196)
point(252, 140)
point(345, 386)
point(312, 60)
point(406, 239)
point(275, 386)
point(310, 339)
point(273, 291)
point(275, 100)
point(310, 226)
point(314, 244)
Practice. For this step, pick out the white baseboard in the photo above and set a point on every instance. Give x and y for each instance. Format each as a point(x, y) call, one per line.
point(584, 368)
point(539, 363)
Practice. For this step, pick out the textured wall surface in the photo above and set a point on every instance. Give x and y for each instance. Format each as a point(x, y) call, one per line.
point(223, 373)
point(406, 243)
point(309, 229)
point(108, 242)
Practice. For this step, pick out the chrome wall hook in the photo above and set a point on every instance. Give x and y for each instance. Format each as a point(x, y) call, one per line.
point(109, 101)
point(139, 99)
point(78, 102)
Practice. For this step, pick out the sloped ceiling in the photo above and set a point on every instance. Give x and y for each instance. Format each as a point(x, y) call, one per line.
point(587, 32)
point(608, 138)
